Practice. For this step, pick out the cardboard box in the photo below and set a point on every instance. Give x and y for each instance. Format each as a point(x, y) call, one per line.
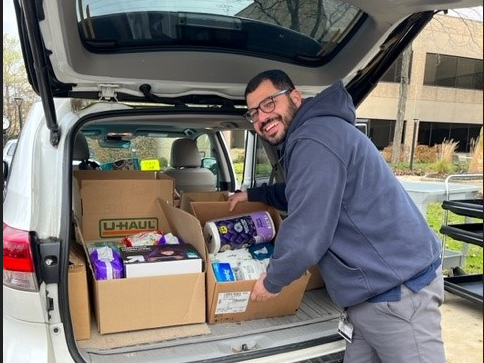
point(166, 187)
point(144, 302)
point(79, 293)
point(161, 260)
point(316, 280)
point(230, 301)
point(118, 203)
point(187, 197)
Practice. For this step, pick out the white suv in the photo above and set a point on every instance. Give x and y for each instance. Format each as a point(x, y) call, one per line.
point(133, 76)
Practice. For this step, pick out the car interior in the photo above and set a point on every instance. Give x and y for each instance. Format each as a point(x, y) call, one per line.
point(189, 146)
point(81, 154)
point(186, 168)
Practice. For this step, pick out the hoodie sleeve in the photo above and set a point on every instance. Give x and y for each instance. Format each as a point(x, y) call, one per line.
point(273, 195)
point(314, 190)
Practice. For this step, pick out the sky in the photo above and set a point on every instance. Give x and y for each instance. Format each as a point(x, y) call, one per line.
point(10, 25)
point(9, 22)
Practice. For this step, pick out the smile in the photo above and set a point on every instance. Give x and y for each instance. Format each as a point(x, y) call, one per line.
point(270, 126)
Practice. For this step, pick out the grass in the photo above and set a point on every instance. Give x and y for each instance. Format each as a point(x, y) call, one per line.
point(435, 219)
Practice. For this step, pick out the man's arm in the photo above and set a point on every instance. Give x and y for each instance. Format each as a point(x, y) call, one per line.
point(273, 195)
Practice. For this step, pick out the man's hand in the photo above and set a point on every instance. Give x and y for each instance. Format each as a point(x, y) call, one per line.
point(236, 198)
point(259, 292)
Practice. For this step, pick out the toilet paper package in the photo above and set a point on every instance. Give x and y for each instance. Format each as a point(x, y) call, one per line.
point(239, 231)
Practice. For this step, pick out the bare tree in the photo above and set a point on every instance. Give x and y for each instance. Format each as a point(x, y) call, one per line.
point(14, 85)
point(402, 102)
point(468, 26)
point(320, 23)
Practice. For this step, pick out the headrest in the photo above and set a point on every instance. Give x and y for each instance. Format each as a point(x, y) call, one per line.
point(81, 148)
point(185, 154)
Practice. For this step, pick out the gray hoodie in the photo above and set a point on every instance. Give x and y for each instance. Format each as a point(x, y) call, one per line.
point(347, 212)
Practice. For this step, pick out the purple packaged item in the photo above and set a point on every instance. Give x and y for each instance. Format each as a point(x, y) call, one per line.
point(239, 231)
point(107, 263)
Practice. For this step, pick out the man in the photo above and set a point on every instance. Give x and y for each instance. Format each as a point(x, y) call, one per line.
point(347, 213)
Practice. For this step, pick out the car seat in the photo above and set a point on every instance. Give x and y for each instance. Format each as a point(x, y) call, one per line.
point(81, 154)
point(185, 168)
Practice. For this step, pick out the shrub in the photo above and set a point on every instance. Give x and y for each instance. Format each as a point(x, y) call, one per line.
point(425, 154)
point(421, 153)
point(439, 160)
point(387, 153)
point(443, 167)
point(163, 162)
point(446, 150)
point(237, 155)
point(239, 170)
point(445, 158)
point(475, 165)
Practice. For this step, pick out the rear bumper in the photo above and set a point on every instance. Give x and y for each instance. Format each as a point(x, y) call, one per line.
point(25, 342)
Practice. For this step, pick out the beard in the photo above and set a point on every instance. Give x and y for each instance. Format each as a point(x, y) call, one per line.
point(285, 120)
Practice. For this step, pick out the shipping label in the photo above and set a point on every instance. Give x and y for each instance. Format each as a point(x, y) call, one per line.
point(232, 302)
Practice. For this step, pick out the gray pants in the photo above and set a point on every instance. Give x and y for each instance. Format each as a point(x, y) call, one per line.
point(406, 331)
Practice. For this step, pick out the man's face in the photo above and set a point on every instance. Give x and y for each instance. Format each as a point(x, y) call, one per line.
point(272, 125)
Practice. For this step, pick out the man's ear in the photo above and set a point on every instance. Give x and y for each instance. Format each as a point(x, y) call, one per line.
point(296, 97)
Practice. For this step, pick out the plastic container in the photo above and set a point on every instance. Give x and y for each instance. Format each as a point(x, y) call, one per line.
point(251, 269)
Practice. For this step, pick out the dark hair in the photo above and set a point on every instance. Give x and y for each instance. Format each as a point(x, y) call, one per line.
point(278, 78)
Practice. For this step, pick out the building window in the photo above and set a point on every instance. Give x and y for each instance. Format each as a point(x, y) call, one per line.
point(394, 73)
point(382, 131)
point(431, 133)
point(455, 72)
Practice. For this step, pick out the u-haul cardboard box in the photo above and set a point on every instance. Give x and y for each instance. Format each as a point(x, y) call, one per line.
point(230, 301)
point(113, 208)
point(117, 203)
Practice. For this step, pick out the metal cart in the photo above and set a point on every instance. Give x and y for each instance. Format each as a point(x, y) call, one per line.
point(469, 286)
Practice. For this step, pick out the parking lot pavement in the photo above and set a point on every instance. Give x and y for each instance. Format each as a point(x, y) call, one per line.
point(462, 329)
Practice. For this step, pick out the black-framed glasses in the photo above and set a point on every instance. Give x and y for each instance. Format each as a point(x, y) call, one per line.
point(267, 105)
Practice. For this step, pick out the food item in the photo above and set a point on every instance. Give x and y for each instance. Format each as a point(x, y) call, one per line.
point(144, 239)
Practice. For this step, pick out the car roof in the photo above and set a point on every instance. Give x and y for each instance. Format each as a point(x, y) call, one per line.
point(204, 52)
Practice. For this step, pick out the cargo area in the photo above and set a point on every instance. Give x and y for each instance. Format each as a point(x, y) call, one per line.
point(185, 316)
point(314, 322)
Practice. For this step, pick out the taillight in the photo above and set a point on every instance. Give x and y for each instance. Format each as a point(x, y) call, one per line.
point(18, 261)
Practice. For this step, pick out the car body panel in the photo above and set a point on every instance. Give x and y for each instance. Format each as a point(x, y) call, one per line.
point(171, 72)
point(69, 66)
point(33, 175)
point(214, 71)
point(15, 340)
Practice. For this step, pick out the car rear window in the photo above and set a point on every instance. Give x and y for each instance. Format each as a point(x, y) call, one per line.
point(314, 29)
